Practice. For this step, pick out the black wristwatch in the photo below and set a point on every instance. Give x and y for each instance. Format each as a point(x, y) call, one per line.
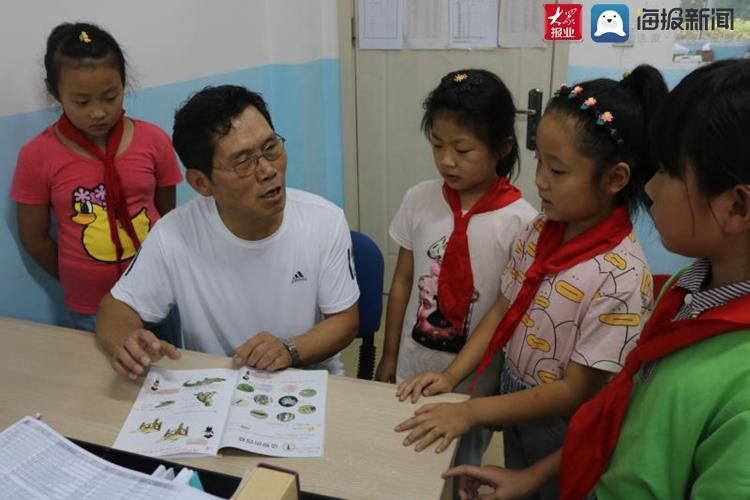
point(291, 347)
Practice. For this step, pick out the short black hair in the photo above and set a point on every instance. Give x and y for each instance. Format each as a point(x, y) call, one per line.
point(207, 116)
point(632, 102)
point(79, 41)
point(703, 123)
point(479, 101)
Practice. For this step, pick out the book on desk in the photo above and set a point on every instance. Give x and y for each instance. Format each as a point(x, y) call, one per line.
point(182, 413)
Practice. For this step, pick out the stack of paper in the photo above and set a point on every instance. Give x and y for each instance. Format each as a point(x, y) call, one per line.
point(38, 463)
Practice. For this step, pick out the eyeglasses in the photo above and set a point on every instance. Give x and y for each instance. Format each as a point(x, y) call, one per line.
point(247, 164)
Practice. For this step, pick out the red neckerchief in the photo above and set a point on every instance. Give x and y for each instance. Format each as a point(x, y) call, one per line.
point(553, 256)
point(456, 283)
point(595, 428)
point(116, 203)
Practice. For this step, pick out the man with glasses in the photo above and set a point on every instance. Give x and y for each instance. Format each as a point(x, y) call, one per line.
point(250, 264)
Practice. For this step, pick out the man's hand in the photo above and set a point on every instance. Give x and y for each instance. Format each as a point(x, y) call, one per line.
point(264, 352)
point(444, 421)
point(507, 484)
point(424, 384)
point(138, 351)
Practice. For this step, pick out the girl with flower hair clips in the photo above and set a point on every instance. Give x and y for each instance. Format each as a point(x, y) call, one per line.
point(107, 178)
point(455, 234)
point(577, 289)
point(673, 423)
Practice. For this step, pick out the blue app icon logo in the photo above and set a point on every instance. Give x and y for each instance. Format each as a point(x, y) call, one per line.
point(610, 23)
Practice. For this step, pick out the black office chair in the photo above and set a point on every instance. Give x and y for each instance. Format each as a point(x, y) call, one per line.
point(370, 268)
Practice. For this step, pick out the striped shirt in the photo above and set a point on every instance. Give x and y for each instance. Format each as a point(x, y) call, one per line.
point(698, 301)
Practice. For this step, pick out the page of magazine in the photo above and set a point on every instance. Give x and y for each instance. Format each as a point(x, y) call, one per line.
point(278, 413)
point(179, 413)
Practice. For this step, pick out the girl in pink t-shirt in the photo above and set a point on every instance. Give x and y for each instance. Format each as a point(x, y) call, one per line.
point(107, 178)
point(577, 289)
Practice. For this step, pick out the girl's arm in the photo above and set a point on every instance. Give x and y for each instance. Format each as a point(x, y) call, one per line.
point(554, 399)
point(551, 400)
point(33, 228)
point(398, 298)
point(472, 352)
point(467, 360)
point(165, 199)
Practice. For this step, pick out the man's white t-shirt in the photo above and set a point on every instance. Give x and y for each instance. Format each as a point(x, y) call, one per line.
point(228, 289)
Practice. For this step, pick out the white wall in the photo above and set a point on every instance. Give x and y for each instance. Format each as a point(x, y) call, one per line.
point(165, 40)
point(651, 47)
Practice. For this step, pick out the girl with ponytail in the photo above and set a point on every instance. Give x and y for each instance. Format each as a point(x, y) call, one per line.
point(577, 289)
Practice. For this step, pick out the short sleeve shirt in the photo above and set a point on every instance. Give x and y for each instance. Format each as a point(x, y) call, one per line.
point(48, 173)
point(591, 313)
point(228, 289)
point(423, 225)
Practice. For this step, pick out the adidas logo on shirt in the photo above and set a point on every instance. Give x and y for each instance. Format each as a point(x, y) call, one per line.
point(298, 276)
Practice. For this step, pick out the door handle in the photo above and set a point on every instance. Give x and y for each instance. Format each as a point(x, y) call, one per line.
point(533, 115)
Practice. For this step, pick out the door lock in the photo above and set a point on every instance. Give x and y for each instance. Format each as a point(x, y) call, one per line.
point(533, 115)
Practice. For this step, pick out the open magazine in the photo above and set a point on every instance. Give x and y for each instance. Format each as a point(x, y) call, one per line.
point(198, 412)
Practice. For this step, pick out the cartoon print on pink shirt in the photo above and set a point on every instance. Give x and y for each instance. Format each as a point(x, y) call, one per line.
point(432, 330)
point(90, 211)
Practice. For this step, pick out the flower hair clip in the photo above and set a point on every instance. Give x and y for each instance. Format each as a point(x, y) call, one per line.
point(605, 117)
point(463, 81)
point(590, 104)
point(572, 93)
point(84, 37)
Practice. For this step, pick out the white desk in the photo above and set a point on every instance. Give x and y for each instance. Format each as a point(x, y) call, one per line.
point(66, 377)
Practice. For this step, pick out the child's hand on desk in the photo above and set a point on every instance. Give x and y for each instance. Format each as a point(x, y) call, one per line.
point(138, 351)
point(435, 421)
point(425, 384)
point(508, 484)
